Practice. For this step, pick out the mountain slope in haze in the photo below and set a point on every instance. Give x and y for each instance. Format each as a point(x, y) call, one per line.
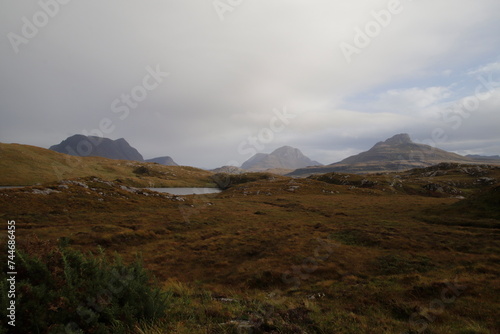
point(483, 157)
point(22, 165)
point(394, 154)
point(91, 146)
point(285, 157)
point(400, 148)
point(167, 161)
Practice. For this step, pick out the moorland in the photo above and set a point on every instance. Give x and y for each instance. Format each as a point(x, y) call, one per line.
point(404, 252)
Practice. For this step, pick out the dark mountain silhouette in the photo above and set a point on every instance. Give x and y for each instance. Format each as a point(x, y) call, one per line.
point(285, 157)
point(167, 161)
point(394, 154)
point(80, 145)
point(483, 157)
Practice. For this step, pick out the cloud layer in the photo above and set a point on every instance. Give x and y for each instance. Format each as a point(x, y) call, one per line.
point(228, 77)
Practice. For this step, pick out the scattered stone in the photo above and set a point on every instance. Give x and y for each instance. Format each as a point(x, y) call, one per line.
point(474, 171)
point(367, 183)
point(44, 191)
point(435, 173)
point(129, 189)
point(225, 300)
point(81, 184)
point(292, 188)
point(318, 295)
point(433, 187)
point(243, 326)
point(486, 180)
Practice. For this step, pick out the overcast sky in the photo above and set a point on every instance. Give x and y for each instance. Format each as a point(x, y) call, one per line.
point(212, 82)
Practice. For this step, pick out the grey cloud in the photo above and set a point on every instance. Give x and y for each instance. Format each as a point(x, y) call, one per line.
point(227, 76)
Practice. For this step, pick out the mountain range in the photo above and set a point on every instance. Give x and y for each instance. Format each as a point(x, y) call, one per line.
point(394, 154)
point(483, 157)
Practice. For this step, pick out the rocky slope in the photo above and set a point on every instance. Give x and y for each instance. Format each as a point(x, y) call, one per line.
point(229, 170)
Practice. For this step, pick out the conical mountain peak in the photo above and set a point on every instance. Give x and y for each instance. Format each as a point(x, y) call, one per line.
point(402, 138)
point(285, 157)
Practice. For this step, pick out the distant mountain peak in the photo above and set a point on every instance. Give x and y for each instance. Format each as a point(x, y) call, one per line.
point(394, 154)
point(287, 151)
point(285, 157)
point(285, 148)
point(167, 161)
point(80, 145)
point(483, 157)
point(402, 138)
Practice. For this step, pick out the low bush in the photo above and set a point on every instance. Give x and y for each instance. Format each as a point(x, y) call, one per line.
point(60, 290)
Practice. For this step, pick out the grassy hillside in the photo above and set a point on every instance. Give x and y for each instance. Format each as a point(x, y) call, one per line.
point(281, 255)
point(29, 165)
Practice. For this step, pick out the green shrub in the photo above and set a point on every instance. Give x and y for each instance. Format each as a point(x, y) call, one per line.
point(65, 291)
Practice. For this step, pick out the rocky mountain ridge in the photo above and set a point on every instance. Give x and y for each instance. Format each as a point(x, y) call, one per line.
point(397, 153)
point(92, 146)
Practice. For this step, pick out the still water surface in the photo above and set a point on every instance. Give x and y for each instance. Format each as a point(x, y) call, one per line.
point(187, 191)
point(173, 191)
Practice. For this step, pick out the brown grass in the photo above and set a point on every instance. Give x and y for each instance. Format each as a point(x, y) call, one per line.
point(295, 255)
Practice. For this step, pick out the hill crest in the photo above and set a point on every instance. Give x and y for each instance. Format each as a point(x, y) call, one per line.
point(22, 165)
